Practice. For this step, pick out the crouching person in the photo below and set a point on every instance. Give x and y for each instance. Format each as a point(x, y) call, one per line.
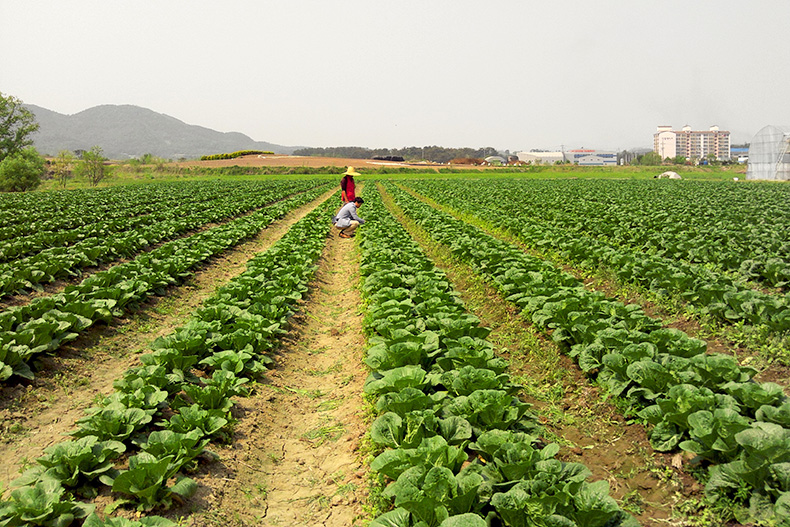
point(347, 219)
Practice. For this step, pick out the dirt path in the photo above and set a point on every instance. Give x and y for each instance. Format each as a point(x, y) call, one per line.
point(37, 415)
point(295, 458)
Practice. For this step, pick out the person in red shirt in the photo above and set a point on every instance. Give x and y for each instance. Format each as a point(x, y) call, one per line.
point(347, 186)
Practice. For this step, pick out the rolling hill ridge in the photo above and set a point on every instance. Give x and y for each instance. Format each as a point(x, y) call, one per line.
point(126, 131)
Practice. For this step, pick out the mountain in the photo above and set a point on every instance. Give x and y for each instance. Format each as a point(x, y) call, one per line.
point(124, 131)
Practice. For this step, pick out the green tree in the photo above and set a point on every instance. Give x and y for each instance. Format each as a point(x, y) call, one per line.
point(92, 166)
point(649, 159)
point(17, 124)
point(679, 160)
point(21, 171)
point(62, 166)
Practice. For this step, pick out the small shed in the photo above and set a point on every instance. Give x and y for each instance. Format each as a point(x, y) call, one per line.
point(496, 160)
point(769, 154)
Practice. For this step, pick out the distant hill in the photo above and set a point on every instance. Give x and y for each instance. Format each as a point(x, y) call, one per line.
point(125, 131)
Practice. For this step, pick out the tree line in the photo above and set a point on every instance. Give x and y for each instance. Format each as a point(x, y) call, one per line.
point(435, 154)
point(654, 159)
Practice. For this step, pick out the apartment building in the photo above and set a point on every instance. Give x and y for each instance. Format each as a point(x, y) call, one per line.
point(692, 144)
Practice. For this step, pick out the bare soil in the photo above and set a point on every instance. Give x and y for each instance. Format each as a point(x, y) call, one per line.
point(317, 162)
point(278, 160)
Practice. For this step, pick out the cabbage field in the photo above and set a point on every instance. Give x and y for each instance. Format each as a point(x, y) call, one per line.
point(511, 352)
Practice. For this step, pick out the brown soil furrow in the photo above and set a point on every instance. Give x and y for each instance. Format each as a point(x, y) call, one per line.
point(38, 415)
point(295, 456)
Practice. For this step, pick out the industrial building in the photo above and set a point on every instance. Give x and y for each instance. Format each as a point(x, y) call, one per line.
point(582, 157)
point(694, 145)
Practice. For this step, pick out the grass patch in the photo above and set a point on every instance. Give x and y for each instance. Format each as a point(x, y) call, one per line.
point(324, 434)
point(335, 368)
point(317, 351)
point(328, 405)
point(11, 432)
point(310, 394)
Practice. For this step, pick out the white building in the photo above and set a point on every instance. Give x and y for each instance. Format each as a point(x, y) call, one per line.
point(541, 158)
point(665, 142)
point(692, 144)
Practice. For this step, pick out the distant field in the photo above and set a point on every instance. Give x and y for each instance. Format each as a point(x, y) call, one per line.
point(279, 166)
point(291, 161)
point(544, 171)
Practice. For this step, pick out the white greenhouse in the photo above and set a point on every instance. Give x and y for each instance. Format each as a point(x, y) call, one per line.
point(769, 154)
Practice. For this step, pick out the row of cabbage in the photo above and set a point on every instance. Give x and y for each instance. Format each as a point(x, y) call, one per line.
point(703, 403)
point(459, 447)
point(65, 253)
point(44, 324)
point(31, 213)
point(730, 299)
point(141, 442)
point(720, 223)
point(54, 219)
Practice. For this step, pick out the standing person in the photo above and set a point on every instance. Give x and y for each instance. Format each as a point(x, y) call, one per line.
point(347, 220)
point(347, 186)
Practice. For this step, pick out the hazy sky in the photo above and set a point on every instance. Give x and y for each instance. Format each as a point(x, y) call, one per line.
point(512, 74)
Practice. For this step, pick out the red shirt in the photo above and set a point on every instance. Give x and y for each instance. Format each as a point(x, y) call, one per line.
point(347, 184)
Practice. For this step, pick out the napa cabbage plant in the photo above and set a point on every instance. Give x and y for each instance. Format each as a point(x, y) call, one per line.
point(44, 503)
point(393, 431)
point(238, 362)
point(779, 414)
point(183, 447)
point(146, 521)
point(157, 376)
point(146, 482)
point(75, 464)
point(432, 451)
point(394, 380)
point(761, 470)
point(433, 494)
point(670, 413)
point(492, 409)
point(114, 422)
point(209, 422)
point(467, 379)
point(408, 400)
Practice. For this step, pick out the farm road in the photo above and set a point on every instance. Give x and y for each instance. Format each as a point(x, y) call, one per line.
point(294, 460)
